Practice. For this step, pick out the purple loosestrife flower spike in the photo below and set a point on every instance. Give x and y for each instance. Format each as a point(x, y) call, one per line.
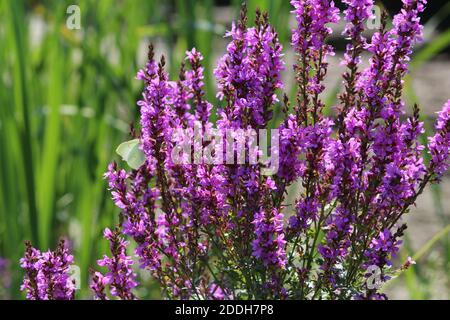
point(248, 75)
point(195, 82)
point(120, 276)
point(181, 104)
point(381, 248)
point(439, 144)
point(30, 263)
point(308, 39)
point(155, 111)
point(356, 14)
point(309, 42)
point(269, 245)
point(98, 285)
point(48, 274)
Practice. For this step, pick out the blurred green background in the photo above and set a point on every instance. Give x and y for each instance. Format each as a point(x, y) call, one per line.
point(67, 98)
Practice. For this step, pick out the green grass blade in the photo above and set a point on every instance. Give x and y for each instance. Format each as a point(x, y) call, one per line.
point(22, 104)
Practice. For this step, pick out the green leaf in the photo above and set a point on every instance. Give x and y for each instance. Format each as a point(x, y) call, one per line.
point(131, 153)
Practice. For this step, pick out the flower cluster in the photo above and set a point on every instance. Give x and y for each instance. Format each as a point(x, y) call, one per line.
point(333, 210)
point(120, 276)
point(200, 226)
point(47, 274)
point(269, 243)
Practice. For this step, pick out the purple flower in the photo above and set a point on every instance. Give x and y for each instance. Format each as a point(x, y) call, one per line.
point(194, 83)
point(439, 144)
point(248, 75)
point(381, 249)
point(48, 274)
point(269, 245)
point(120, 277)
point(155, 110)
point(356, 13)
point(218, 293)
point(98, 285)
point(309, 41)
